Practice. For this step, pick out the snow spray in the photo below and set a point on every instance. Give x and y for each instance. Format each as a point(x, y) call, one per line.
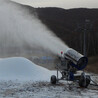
point(20, 29)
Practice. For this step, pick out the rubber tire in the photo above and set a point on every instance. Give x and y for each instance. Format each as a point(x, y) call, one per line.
point(81, 81)
point(53, 79)
point(87, 80)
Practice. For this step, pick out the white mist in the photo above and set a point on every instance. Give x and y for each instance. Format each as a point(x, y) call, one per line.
point(20, 29)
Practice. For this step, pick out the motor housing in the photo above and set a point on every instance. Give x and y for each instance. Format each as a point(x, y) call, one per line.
point(77, 60)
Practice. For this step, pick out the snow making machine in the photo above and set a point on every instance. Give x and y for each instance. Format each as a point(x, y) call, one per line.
point(71, 62)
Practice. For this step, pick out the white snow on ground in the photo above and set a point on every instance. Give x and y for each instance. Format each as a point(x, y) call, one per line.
point(18, 78)
point(10, 89)
point(22, 69)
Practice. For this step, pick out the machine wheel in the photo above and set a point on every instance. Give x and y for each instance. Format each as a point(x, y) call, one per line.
point(53, 79)
point(88, 79)
point(84, 81)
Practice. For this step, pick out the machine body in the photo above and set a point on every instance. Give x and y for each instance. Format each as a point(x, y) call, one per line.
point(76, 59)
point(71, 62)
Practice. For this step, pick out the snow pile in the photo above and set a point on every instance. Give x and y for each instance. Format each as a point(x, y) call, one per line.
point(22, 69)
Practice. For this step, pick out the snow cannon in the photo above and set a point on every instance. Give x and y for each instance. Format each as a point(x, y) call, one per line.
point(70, 66)
point(76, 59)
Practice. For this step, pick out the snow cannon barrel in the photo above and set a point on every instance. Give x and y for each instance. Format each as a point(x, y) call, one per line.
point(77, 60)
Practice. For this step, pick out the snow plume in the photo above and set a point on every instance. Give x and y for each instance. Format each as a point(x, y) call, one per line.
point(19, 30)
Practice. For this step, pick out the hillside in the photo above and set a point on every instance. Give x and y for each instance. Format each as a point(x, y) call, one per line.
point(70, 24)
